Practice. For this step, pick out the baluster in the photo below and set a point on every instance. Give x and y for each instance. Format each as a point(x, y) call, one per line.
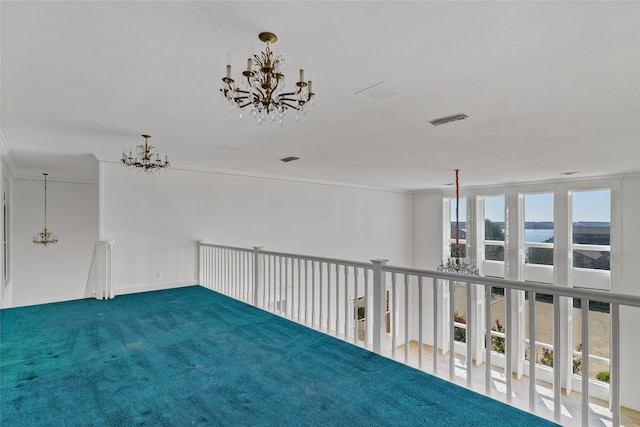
point(313, 293)
point(355, 304)
point(346, 302)
point(299, 289)
point(584, 303)
point(434, 284)
point(532, 352)
point(337, 300)
point(469, 335)
point(367, 310)
point(392, 315)
point(452, 356)
point(557, 357)
point(488, 341)
point(406, 319)
point(508, 341)
point(420, 322)
point(614, 378)
point(320, 312)
point(286, 286)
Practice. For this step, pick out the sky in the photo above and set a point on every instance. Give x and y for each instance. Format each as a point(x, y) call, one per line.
point(587, 206)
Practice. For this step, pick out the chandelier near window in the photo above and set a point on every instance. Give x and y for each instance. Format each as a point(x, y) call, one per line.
point(262, 90)
point(456, 263)
point(144, 158)
point(45, 237)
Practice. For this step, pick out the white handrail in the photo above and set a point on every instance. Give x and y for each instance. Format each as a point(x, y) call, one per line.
point(327, 293)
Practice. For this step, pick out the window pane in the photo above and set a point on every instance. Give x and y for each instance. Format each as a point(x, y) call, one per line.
point(592, 217)
point(494, 218)
point(540, 256)
point(494, 253)
point(596, 260)
point(538, 227)
point(538, 217)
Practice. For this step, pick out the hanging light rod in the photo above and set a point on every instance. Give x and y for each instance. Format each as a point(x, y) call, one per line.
point(456, 262)
point(262, 90)
point(144, 158)
point(45, 237)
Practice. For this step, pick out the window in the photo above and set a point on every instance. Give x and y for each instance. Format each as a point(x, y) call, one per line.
point(538, 228)
point(494, 228)
point(591, 229)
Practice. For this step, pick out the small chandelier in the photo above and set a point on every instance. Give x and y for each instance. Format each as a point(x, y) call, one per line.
point(263, 87)
point(45, 237)
point(455, 263)
point(144, 158)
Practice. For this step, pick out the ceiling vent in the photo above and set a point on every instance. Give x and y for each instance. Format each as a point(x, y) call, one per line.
point(289, 159)
point(443, 120)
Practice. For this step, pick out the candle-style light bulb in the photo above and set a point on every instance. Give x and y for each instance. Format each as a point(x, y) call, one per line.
point(301, 75)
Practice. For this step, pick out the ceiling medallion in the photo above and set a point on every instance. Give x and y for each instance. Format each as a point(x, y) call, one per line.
point(144, 159)
point(45, 237)
point(262, 90)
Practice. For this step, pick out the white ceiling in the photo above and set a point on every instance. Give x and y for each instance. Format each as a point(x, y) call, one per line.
point(549, 87)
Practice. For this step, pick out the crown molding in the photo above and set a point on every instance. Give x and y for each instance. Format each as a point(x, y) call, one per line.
point(245, 174)
point(7, 157)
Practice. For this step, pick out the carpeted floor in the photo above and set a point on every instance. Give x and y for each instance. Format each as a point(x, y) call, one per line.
point(190, 356)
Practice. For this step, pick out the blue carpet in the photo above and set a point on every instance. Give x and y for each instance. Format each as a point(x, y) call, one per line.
point(190, 356)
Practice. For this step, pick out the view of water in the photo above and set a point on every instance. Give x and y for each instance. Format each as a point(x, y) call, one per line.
point(537, 235)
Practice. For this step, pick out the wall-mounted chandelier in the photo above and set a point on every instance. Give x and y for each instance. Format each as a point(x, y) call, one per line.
point(45, 237)
point(456, 262)
point(262, 90)
point(144, 158)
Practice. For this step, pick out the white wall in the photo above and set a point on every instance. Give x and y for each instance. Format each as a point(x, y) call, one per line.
point(57, 272)
point(156, 220)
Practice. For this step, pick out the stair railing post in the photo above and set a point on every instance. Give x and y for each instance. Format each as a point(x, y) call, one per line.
point(257, 274)
point(378, 308)
point(200, 261)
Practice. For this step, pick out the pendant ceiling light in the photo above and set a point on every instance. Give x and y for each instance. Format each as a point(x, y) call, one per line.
point(45, 237)
point(456, 262)
point(144, 158)
point(262, 90)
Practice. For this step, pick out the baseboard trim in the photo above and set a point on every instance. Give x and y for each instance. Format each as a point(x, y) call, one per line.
point(154, 287)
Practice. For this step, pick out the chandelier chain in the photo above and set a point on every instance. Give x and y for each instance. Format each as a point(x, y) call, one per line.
point(45, 237)
point(456, 263)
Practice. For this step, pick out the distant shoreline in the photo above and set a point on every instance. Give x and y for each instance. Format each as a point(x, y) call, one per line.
point(548, 225)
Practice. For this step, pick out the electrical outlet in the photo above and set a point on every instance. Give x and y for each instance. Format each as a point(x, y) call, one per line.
point(158, 274)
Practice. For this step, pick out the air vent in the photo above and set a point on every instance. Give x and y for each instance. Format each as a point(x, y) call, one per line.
point(289, 159)
point(443, 120)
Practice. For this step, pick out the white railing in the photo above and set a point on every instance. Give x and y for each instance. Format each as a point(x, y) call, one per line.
point(100, 279)
point(328, 294)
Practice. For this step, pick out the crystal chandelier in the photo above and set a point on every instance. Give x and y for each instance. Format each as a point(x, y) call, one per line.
point(144, 158)
point(263, 90)
point(456, 263)
point(45, 237)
